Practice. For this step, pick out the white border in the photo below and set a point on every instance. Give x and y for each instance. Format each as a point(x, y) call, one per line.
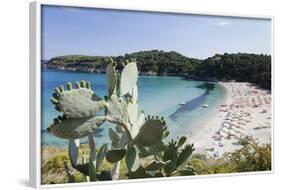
point(35, 89)
point(35, 95)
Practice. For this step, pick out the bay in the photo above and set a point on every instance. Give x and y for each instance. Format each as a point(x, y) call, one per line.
point(177, 99)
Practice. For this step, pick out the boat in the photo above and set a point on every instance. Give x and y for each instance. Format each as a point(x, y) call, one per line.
point(205, 105)
point(182, 103)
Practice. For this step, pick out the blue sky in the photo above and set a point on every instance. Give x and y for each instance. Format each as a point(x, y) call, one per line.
point(67, 30)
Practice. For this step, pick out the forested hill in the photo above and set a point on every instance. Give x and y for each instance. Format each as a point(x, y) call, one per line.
point(149, 63)
point(164, 63)
point(240, 67)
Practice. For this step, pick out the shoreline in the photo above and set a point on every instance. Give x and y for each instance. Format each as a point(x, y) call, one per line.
point(143, 74)
point(213, 134)
point(185, 76)
point(245, 112)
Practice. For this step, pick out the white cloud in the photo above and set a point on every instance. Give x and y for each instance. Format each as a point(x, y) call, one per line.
point(223, 23)
point(219, 22)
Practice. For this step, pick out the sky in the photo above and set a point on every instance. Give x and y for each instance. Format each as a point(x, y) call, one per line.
point(69, 30)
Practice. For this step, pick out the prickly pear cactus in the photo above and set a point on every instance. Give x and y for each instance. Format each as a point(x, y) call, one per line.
point(135, 136)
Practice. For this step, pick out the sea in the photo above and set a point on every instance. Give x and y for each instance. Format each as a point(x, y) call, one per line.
point(178, 100)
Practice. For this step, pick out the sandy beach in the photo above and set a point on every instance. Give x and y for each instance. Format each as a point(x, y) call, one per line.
point(246, 112)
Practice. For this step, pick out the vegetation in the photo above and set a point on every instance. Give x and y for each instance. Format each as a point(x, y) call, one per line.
point(79, 63)
point(250, 158)
point(135, 138)
point(242, 67)
point(164, 63)
point(149, 62)
point(239, 67)
point(54, 169)
point(137, 148)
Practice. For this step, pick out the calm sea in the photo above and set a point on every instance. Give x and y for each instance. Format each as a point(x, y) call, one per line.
point(159, 95)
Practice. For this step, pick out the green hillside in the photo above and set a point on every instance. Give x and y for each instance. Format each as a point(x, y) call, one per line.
point(242, 67)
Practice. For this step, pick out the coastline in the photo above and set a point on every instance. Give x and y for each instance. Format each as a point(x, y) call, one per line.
point(212, 134)
point(245, 112)
point(212, 138)
point(102, 71)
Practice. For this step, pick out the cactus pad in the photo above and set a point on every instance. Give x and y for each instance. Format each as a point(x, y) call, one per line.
point(73, 151)
point(132, 159)
point(135, 94)
point(133, 112)
point(123, 140)
point(101, 155)
point(111, 79)
point(154, 165)
point(134, 130)
point(70, 128)
point(115, 155)
point(184, 154)
point(129, 78)
point(150, 133)
point(119, 129)
point(182, 140)
point(77, 103)
point(116, 109)
point(113, 135)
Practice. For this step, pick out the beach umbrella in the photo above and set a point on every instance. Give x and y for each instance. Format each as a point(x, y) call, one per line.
point(241, 123)
point(242, 129)
point(220, 144)
point(224, 130)
point(237, 126)
point(227, 121)
point(230, 117)
point(232, 124)
point(216, 155)
point(230, 114)
point(214, 143)
point(218, 138)
point(232, 132)
point(237, 131)
point(236, 137)
point(243, 118)
point(223, 134)
point(250, 133)
point(226, 124)
point(246, 120)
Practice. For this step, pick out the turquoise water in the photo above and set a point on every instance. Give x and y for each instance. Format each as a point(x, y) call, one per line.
point(157, 96)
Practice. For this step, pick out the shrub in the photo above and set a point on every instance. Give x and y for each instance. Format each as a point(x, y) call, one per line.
point(250, 158)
